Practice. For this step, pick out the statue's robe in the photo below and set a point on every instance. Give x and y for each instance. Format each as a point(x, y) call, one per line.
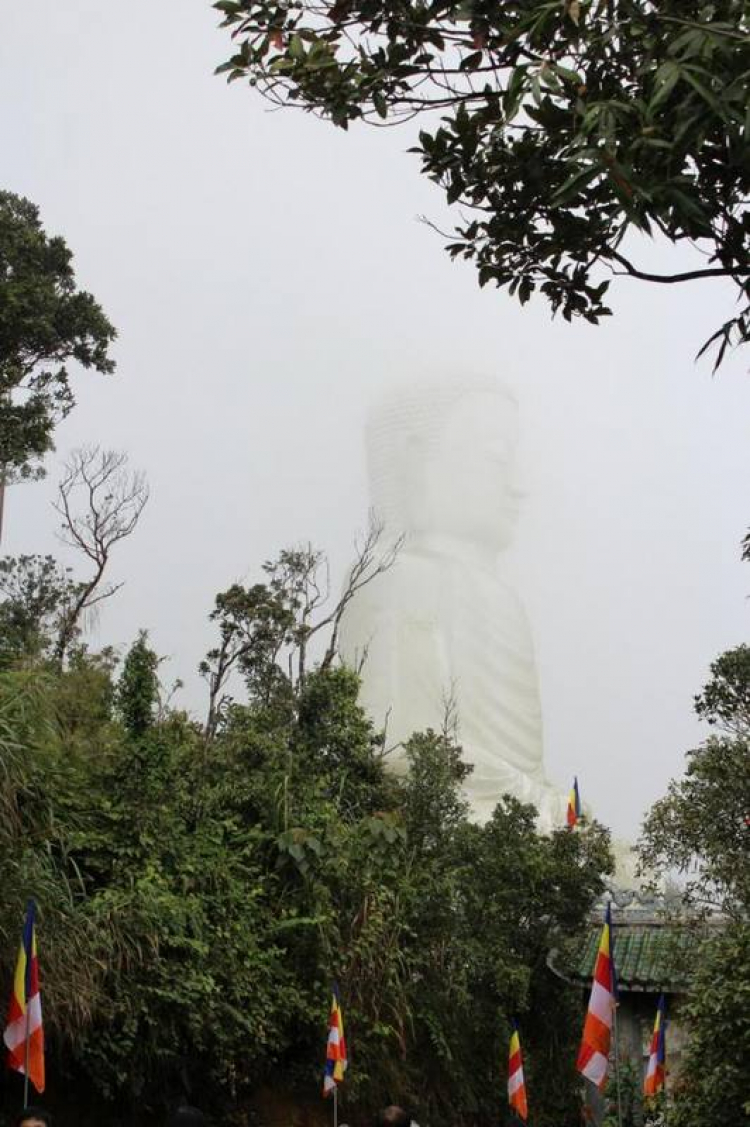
point(439, 631)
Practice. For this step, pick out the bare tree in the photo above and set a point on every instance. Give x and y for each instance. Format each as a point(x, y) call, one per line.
point(308, 586)
point(272, 625)
point(372, 560)
point(449, 725)
point(100, 501)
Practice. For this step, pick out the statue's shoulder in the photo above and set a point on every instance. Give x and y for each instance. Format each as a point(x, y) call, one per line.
point(413, 582)
point(415, 573)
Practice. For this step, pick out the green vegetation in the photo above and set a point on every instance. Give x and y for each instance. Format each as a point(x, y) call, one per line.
point(701, 828)
point(201, 885)
point(45, 323)
point(563, 130)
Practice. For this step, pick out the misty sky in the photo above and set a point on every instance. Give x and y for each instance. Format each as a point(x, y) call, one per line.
point(268, 276)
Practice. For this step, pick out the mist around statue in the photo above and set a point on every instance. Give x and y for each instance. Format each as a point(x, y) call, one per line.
point(443, 638)
point(325, 571)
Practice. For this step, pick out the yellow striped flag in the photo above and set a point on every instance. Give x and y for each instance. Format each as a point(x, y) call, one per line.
point(656, 1071)
point(574, 805)
point(593, 1055)
point(24, 1033)
point(516, 1081)
point(336, 1061)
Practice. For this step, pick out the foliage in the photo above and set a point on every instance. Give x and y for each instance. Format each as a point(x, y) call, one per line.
point(42, 604)
point(196, 896)
point(624, 1099)
point(37, 594)
point(41, 798)
point(714, 1088)
point(138, 687)
point(565, 128)
point(700, 827)
point(45, 322)
point(100, 502)
point(265, 631)
point(491, 902)
point(198, 975)
point(725, 700)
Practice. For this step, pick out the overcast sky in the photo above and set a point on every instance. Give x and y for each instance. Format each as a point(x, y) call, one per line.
point(268, 276)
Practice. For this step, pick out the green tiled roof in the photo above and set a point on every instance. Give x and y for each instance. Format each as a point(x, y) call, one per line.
point(650, 955)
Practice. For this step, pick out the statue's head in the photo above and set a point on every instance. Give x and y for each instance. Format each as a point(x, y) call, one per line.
point(441, 461)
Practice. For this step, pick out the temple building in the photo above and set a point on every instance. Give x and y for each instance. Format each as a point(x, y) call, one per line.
point(653, 939)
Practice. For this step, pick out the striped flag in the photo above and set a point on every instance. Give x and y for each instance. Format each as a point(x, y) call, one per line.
point(656, 1070)
point(25, 1014)
point(516, 1082)
point(593, 1055)
point(574, 805)
point(336, 1061)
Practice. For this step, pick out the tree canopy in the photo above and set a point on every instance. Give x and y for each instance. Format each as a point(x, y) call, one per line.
point(701, 829)
point(45, 323)
point(199, 886)
point(562, 130)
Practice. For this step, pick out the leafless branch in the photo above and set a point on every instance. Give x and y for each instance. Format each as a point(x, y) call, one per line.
point(226, 657)
point(449, 726)
point(361, 656)
point(100, 502)
point(371, 561)
point(270, 626)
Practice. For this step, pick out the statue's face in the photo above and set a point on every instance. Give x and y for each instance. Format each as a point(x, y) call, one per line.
point(464, 487)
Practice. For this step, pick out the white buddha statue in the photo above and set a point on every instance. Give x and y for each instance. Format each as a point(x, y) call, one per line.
point(445, 623)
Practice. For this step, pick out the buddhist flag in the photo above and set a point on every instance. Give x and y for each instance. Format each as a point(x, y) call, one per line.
point(516, 1082)
point(593, 1055)
point(25, 1015)
point(336, 1061)
point(656, 1070)
point(574, 805)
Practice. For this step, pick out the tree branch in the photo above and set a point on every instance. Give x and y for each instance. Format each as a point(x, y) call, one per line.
point(669, 279)
point(113, 500)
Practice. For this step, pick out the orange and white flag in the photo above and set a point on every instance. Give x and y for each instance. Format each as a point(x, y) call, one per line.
point(656, 1070)
point(593, 1055)
point(24, 1033)
point(516, 1082)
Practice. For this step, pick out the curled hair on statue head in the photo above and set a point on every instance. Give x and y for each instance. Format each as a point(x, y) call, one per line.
point(406, 430)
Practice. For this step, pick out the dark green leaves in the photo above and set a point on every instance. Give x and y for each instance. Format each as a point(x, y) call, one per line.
point(45, 322)
point(665, 80)
point(564, 124)
point(700, 830)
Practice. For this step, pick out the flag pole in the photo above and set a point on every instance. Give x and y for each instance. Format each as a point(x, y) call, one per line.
point(617, 1065)
point(26, 1057)
point(616, 1002)
point(336, 1106)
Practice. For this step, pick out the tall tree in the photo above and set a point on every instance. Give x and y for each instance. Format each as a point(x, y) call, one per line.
point(138, 687)
point(701, 828)
point(560, 129)
point(714, 1085)
point(45, 323)
point(36, 596)
point(266, 630)
point(100, 501)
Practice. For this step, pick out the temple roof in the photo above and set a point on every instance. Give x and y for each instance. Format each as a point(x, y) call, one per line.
point(651, 953)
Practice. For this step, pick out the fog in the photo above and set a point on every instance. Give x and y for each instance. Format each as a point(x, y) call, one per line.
point(268, 276)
